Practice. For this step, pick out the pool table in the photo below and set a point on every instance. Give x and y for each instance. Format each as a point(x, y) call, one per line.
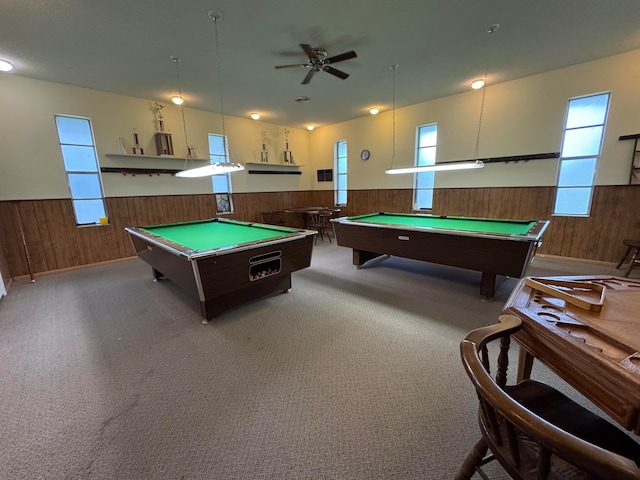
point(225, 263)
point(491, 246)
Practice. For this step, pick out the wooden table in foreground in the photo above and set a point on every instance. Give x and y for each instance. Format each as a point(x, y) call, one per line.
point(595, 350)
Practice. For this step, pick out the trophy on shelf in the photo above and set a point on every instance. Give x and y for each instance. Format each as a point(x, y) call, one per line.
point(137, 148)
point(158, 109)
point(264, 155)
point(122, 150)
point(164, 144)
point(288, 155)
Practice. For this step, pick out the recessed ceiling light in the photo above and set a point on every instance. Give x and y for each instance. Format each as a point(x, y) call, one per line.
point(255, 116)
point(301, 99)
point(5, 66)
point(374, 111)
point(310, 127)
point(476, 84)
point(177, 99)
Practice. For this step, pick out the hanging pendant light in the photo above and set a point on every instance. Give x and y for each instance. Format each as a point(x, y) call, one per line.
point(421, 168)
point(217, 168)
point(456, 165)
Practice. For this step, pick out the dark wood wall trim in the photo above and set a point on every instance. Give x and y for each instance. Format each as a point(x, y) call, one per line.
point(55, 243)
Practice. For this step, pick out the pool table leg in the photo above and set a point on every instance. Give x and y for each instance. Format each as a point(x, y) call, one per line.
point(488, 285)
point(360, 257)
point(213, 306)
point(157, 275)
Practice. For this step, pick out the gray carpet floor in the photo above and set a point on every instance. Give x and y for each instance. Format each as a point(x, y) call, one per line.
point(354, 374)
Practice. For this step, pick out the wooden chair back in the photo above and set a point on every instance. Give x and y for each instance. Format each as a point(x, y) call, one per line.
point(321, 222)
point(533, 430)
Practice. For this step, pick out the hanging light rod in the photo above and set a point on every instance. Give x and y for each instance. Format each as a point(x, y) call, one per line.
point(437, 167)
point(218, 168)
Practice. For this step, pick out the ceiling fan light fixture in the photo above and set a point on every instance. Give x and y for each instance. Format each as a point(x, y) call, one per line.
point(255, 116)
point(318, 61)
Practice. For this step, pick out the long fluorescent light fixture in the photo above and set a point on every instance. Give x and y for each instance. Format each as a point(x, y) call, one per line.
point(437, 167)
point(210, 170)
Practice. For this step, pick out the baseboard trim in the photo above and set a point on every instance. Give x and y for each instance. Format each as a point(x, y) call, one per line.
point(77, 267)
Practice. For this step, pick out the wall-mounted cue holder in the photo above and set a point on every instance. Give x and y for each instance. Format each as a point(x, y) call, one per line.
point(263, 266)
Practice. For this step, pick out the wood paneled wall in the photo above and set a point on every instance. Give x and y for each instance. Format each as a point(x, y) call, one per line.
point(614, 216)
point(54, 242)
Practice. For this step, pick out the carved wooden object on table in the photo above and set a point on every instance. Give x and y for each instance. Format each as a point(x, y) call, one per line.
point(598, 352)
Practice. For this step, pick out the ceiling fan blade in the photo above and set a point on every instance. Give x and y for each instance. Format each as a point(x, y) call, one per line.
point(292, 66)
point(307, 79)
point(341, 57)
point(308, 50)
point(335, 72)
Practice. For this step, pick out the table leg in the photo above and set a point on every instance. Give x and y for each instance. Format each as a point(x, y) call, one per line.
point(488, 285)
point(525, 364)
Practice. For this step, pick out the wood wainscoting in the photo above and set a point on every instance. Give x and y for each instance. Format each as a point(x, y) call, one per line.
point(54, 242)
point(598, 237)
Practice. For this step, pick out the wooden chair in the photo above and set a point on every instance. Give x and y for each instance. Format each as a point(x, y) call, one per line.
point(273, 218)
point(532, 429)
point(320, 221)
point(632, 253)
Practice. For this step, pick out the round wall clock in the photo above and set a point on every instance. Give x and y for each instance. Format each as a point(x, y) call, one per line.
point(365, 154)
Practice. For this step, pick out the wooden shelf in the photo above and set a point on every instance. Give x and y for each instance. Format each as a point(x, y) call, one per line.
point(139, 171)
point(155, 157)
point(260, 168)
point(275, 165)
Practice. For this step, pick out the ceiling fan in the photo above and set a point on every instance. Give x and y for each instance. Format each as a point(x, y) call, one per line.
point(318, 61)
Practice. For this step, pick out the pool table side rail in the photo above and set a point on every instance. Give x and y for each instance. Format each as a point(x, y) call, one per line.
point(534, 234)
point(221, 282)
point(190, 254)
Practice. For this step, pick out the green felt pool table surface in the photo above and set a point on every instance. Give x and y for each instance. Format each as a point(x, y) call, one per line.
point(212, 235)
point(479, 225)
point(225, 263)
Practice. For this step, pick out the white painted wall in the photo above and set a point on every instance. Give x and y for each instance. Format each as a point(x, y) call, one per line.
point(524, 116)
point(31, 165)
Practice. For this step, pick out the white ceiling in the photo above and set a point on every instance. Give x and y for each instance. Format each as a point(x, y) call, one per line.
point(124, 46)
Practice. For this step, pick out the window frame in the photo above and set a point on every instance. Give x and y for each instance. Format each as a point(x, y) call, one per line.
point(339, 174)
point(418, 175)
point(560, 189)
point(219, 194)
point(95, 173)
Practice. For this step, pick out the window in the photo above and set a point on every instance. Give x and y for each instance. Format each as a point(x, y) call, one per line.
point(219, 152)
point(340, 183)
point(81, 163)
point(581, 145)
point(427, 139)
